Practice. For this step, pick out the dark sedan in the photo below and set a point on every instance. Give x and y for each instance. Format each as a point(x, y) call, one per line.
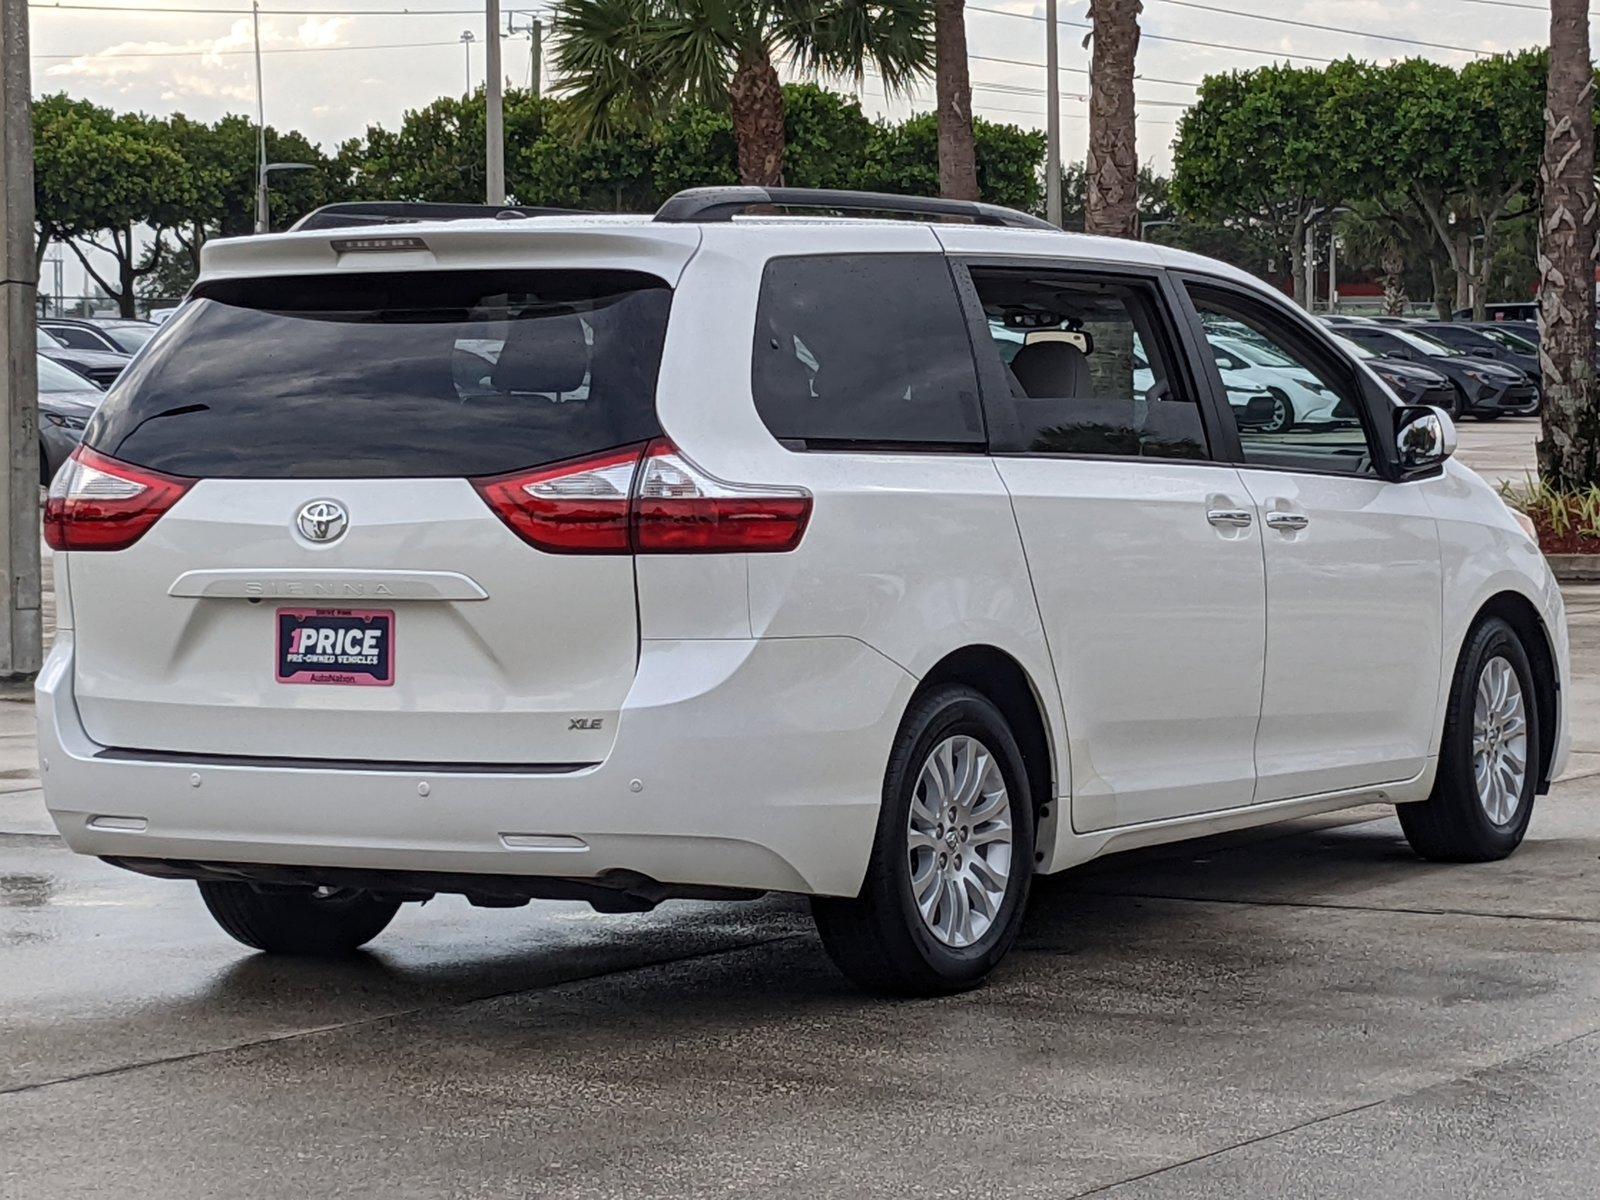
point(1478, 344)
point(1485, 389)
point(1410, 382)
point(66, 402)
point(100, 367)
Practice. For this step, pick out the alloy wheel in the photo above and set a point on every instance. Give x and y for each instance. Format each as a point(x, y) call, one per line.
point(959, 840)
point(1499, 741)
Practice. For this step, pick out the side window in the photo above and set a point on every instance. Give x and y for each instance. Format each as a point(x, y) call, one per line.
point(865, 350)
point(1089, 367)
point(77, 339)
point(1293, 407)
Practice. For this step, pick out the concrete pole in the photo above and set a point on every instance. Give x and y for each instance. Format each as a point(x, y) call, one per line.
point(1052, 118)
point(1333, 267)
point(1311, 266)
point(494, 108)
point(536, 49)
point(263, 208)
point(20, 638)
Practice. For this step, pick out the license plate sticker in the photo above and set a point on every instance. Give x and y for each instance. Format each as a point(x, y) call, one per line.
point(341, 647)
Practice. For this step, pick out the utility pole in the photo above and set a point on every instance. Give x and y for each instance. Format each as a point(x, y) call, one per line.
point(536, 49)
point(1052, 118)
point(494, 174)
point(263, 214)
point(21, 637)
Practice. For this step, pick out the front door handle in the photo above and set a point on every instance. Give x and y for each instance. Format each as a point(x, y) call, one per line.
point(1236, 518)
point(1287, 520)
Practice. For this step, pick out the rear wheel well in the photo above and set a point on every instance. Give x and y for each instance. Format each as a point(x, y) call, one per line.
point(1518, 612)
point(1002, 679)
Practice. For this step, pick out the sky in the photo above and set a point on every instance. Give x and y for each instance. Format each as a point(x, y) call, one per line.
point(333, 67)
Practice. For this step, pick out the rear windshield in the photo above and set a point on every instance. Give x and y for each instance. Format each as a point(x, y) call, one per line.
point(440, 373)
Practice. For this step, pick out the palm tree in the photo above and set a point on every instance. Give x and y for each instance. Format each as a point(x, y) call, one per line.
point(1113, 203)
point(958, 154)
point(1569, 450)
point(621, 62)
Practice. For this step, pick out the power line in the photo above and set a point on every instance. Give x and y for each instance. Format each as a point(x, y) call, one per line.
point(1160, 37)
point(1023, 62)
point(1361, 33)
point(110, 57)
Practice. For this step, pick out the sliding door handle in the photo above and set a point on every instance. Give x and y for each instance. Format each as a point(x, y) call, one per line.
point(1236, 518)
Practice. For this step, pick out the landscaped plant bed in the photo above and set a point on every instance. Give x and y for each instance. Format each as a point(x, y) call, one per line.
point(1568, 526)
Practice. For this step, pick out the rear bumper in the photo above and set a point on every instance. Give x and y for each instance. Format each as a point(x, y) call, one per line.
point(752, 764)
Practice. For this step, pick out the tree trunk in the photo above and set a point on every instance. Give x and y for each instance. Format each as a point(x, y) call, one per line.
point(1569, 451)
point(1393, 265)
point(958, 155)
point(1113, 201)
point(756, 98)
point(1297, 262)
point(1462, 258)
point(1437, 270)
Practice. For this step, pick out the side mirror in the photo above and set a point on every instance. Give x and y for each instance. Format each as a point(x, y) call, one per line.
point(1424, 437)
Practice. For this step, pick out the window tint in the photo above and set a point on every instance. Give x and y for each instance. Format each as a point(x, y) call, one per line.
point(405, 374)
point(867, 349)
point(1292, 404)
point(78, 339)
point(1087, 366)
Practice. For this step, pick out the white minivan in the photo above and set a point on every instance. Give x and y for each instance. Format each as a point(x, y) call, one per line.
point(726, 551)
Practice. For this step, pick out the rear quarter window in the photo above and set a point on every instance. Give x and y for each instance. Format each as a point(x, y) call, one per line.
point(863, 351)
point(442, 373)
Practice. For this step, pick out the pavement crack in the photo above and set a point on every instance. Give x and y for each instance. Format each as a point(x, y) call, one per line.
point(379, 1018)
point(1350, 1110)
point(1326, 905)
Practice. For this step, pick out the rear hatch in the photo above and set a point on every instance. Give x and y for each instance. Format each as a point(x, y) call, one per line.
point(330, 577)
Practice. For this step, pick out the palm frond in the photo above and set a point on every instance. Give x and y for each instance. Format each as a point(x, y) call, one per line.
point(845, 38)
point(606, 63)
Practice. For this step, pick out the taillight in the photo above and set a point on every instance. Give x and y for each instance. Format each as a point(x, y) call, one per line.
point(645, 499)
point(98, 503)
point(575, 507)
point(680, 509)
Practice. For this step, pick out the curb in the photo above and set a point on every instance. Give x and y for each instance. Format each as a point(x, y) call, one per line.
point(1574, 568)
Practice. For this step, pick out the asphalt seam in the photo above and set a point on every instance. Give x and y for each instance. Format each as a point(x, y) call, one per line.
point(1475, 1074)
point(379, 1018)
point(1323, 905)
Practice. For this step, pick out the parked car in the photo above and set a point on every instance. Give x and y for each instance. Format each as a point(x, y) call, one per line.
point(66, 402)
point(1486, 390)
point(100, 367)
point(123, 336)
point(1477, 343)
point(160, 316)
point(811, 592)
point(1297, 395)
point(1346, 319)
point(1517, 310)
point(1411, 382)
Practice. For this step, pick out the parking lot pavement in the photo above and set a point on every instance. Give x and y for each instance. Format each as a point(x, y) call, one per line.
point(1500, 450)
point(1305, 1010)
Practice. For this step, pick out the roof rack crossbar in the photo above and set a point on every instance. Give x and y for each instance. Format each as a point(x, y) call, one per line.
point(724, 203)
point(398, 212)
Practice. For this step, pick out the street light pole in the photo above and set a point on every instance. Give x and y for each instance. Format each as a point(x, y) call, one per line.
point(262, 215)
point(466, 44)
point(494, 108)
point(22, 628)
point(536, 49)
point(1052, 118)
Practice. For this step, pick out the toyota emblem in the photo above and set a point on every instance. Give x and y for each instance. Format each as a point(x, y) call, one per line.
point(322, 520)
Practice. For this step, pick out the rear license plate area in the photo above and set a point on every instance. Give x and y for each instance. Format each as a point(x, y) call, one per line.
point(336, 647)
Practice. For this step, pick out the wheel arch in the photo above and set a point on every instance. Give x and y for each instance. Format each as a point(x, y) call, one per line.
point(1006, 682)
point(1520, 613)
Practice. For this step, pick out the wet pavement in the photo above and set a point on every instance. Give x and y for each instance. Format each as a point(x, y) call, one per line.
point(1301, 1011)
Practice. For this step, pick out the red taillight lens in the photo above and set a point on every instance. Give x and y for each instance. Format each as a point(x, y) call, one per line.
point(645, 499)
point(575, 507)
point(679, 509)
point(98, 503)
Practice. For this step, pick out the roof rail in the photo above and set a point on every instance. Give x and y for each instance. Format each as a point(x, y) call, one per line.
point(724, 203)
point(396, 212)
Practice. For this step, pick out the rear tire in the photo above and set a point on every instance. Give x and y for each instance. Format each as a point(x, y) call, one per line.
point(302, 921)
point(952, 861)
point(1482, 800)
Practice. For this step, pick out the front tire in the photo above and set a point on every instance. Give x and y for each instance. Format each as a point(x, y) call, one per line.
point(952, 861)
point(1489, 757)
point(308, 922)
